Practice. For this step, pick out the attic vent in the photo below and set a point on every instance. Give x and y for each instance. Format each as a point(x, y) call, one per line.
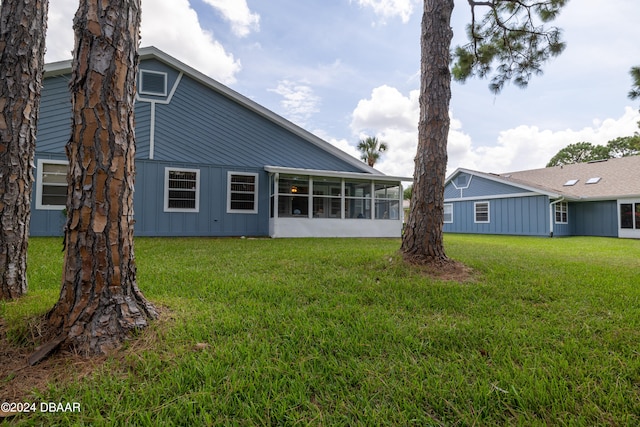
point(571, 182)
point(153, 83)
point(594, 180)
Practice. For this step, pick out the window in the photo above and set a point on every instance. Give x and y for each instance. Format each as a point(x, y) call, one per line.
point(293, 196)
point(357, 203)
point(153, 83)
point(571, 182)
point(462, 181)
point(561, 210)
point(242, 194)
point(327, 197)
point(481, 212)
point(181, 190)
point(387, 198)
point(594, 180)
point(630, 215)
point(52, 184)
point(448, 213)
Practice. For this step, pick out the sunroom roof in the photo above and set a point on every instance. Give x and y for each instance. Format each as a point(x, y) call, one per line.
point(335, 174)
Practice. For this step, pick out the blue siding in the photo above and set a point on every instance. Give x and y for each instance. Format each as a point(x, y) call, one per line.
point(196, 128)
point(201, 125)
point(513, 215)
point(212, 218)
point(54, 122)
point(594, 218)
point(45, 222)
point(480, 187)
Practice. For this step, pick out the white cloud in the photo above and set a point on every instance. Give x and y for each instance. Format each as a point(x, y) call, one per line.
point(242, 20)
point(389, 8)
point(393, 118)
point(299, 100)
point(181, 36)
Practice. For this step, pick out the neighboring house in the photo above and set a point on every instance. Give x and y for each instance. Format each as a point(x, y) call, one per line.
point(600, 198)
point(211, 162)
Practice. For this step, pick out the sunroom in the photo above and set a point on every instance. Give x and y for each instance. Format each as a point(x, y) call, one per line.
point(320, 203)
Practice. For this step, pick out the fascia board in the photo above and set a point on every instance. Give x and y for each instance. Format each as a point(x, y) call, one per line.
point(335, 174)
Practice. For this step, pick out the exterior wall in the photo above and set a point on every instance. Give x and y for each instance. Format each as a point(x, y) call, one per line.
point(320, 227)
point(632, 229)
point(594, 218)
point(470, 186)
point(211, 219)
point(192, 127)
point(512, 215)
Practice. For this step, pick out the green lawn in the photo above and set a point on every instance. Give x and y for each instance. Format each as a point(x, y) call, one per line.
point(340, 332)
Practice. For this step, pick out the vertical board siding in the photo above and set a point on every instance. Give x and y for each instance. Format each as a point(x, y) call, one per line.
point(513, 215)
point(195, 128)
point(594, 218)
point(45, 222)
point(212, 218)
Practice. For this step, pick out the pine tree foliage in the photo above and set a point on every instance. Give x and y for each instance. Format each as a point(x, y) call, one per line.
point(513, 34)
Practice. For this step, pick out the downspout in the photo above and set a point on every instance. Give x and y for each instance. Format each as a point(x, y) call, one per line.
point(551, 214)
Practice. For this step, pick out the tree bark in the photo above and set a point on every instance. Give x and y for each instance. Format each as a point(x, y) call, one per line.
point(100, 302)
point(422, 240)
point(23, 26)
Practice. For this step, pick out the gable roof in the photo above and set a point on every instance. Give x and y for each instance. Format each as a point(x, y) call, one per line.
point(618, 178)
point(151, 52)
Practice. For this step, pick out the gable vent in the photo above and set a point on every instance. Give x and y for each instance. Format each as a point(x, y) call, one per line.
point(153, 83)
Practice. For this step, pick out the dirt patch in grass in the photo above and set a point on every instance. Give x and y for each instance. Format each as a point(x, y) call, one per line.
point(444, 270)
point(19, 381)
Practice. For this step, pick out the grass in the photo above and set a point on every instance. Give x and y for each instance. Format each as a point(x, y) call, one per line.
point(341, 332)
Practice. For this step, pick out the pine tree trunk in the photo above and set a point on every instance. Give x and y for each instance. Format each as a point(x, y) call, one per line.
point(422, 239)
point(100, 302)
point(22, 38)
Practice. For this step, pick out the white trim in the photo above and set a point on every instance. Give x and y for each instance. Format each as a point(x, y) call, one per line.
point(628, 233)
point(152, 130)
point(336, 174)
point(450, 205)
point(503, 180)
point(494, 197)
point(475, 212)
point(39, 170)
point(157, 73)
point(566, 212)
point(255, 193)
point(166, 190)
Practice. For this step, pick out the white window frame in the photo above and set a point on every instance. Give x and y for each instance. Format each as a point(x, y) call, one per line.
point(40, 170)
point(448, 206)
point(255, 193)
point(475, 212)
point(167, 170)
point(561, 208)
point(147, 92)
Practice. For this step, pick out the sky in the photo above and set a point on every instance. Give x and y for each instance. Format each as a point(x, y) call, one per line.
point(348, 69)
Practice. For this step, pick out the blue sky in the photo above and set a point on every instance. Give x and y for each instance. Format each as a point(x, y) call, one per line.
point(346, 69)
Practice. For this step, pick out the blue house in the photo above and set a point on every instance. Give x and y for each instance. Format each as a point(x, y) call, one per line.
point(211, 162)
point(600, 198)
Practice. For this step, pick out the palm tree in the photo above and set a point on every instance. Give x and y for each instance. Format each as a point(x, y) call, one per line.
point(371, 148)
